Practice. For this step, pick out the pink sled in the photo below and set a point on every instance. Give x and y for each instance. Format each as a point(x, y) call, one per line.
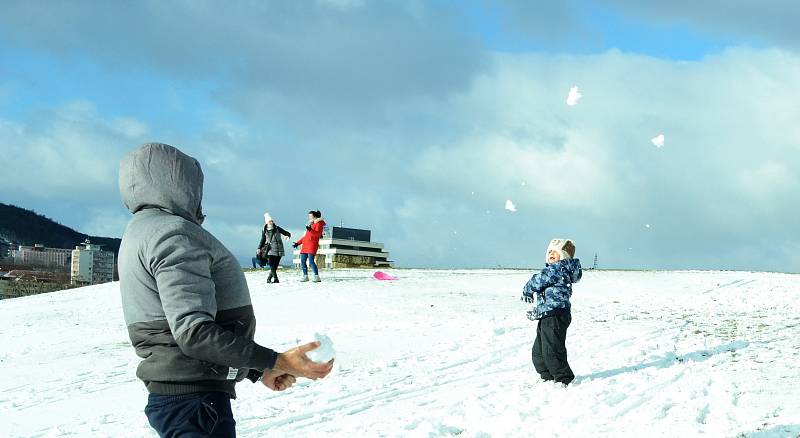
point(383, 276)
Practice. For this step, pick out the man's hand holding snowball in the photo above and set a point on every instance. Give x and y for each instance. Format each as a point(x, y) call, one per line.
point(295, 363)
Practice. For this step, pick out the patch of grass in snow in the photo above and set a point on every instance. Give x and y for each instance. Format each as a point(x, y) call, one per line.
point(727, 330)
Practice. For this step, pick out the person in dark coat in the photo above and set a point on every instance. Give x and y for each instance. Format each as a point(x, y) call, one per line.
point(270, 248)
point(551, 289)
point(187, 305)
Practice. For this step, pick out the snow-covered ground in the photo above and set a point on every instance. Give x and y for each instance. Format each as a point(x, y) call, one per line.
point(441, 353)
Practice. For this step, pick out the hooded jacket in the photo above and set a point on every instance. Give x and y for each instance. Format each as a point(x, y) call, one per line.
point(184, 296)
point(553, 288)
point(310, 239)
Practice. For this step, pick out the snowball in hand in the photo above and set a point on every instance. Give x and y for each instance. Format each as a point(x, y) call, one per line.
point(323, 353)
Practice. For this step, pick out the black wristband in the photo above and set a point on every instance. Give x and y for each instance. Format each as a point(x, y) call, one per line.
point(254, 375)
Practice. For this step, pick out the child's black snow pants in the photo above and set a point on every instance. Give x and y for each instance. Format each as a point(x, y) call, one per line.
point(549, 351)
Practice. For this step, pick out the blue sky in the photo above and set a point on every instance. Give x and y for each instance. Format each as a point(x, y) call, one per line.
point(419, 120)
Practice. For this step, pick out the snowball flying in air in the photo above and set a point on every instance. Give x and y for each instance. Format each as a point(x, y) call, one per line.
point(574, 96)
point(510, 206)
point(658, 140)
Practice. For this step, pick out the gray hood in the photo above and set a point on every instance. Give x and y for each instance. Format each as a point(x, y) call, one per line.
point(157, 175)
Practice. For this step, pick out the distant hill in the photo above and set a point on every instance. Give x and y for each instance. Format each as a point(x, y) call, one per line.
point(24, 227)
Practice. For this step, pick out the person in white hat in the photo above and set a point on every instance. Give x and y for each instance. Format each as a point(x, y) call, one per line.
point(551, 290)
point(270, 248)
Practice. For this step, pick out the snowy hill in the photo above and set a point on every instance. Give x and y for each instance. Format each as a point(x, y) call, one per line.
point(444, 353)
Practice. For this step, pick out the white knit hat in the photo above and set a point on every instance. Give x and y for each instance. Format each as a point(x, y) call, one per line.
point(267, 217)
point(564, 247)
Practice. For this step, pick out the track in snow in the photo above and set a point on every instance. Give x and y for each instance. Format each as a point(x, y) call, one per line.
point(444, 353)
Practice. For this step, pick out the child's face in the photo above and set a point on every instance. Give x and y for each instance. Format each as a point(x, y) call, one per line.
point(553, 256)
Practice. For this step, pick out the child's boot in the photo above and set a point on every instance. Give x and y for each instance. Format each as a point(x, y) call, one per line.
point(315, 279)
point(304, 278)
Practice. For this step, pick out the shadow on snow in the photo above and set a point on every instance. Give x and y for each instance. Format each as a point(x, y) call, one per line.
point(786, 430)
point(668, 360)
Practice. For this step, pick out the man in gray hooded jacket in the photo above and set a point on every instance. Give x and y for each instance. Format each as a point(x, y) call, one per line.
point(186, 302)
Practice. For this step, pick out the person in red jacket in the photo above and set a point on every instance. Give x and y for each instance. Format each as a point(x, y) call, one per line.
point(310, 243)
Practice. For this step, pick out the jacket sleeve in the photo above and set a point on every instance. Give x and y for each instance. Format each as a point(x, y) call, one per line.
point(254, 375)
point(263, 239)
point(284, 232)
point(578, 272)
point(181, 265)
point(539, 281)
point(528, 289)
point(316, 230)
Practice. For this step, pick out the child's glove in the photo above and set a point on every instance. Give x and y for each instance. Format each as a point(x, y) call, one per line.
point(308, 228)
point(528, 298)
point(295, 245)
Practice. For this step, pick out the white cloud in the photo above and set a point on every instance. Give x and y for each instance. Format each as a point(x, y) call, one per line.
point(325, 60)
point(570, 178)
point(130, 128)
point(68, 152)
point(769, 184)
point(729, 115)
point(416, 157)
point(106, 222)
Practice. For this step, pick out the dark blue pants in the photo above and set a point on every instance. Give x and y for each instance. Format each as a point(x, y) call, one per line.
point(203, 414)
point(311, 261)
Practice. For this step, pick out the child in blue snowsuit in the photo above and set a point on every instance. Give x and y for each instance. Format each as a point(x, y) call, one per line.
point(551, 289)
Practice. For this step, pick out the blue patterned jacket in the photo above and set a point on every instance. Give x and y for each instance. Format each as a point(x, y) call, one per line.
point(553, 288)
